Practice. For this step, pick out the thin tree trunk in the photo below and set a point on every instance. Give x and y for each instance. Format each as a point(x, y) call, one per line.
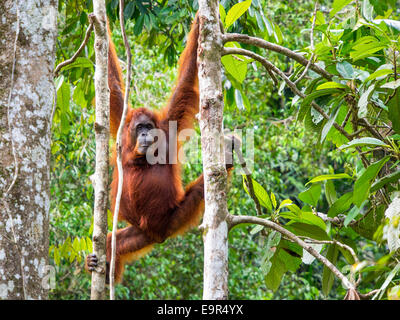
point(119, 150)
point(215, 176)
point(27, 54)
point(102, 131)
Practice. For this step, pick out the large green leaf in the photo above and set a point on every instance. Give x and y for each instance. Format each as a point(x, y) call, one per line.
point(304, 217)
point(390, 178)
point(276, 272)
point(80, 62)
point(236, 65)
point(306, 103)
point(287, 257)
point(236, 12)
point(351, 215)
point(330, 85)
point(260, 193)
point(341, 205)
point(327, 276)
point(311, 195)
point(367, 141)
point(363, 183)
point(328, 125)
point(329, 177)
point(307, 230)
point(330, 192)
point(338, 5)
point(346, 70)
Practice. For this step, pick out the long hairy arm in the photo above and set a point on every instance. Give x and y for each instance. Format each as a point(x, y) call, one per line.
point(184, 101)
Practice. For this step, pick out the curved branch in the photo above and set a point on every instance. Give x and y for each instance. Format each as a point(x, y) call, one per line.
point(276, 48)
point(267, 64)
point(77, 53)
point(234, 220)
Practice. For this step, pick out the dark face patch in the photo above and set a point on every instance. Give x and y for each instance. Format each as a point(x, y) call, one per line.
point(141, 133)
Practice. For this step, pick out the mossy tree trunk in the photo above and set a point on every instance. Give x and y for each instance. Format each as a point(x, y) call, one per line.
point(27, 51)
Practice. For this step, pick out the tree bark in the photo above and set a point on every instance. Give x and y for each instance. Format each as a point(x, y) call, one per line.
point(102, 135)
point(27, 54)
point(215, 176)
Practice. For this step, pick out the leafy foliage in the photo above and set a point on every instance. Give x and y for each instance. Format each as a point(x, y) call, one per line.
point(303, 163)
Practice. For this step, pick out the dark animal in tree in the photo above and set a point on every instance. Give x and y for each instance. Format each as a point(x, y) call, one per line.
point(154, 202)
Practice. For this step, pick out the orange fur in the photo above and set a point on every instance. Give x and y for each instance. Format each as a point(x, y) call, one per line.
point(153, 200)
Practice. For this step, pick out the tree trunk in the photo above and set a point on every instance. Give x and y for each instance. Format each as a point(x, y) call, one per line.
point(215, 176)
point(27, 51)
point(102, 131)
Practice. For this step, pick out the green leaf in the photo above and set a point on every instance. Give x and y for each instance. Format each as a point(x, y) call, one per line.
point(262, 195)
point(129, 10)
point(65, 248)
point(330, 192)
point(394, 111)
point(327, 276)
point(351, 215)
point(63, 97)
point(347, 254)
point(260, 21)
point(367, 141)
point(57, 256)
point(363, 183)
point(338, 5)
point(392, 84)
point(236, 12)
point(222, 13)
point(137, 29)
point(236, 65)
point(256, 229)
point(291, 262)
point(304, 217)
point(379, 74)
point(89, 244)
point(367, 10)
point(276, 272)
point(346, 70)
point(388, 280)
point(319, 18)
point(341, 205)
point(329, 177)
point(80, 62)
point(307, 230)
point(331, 84)
point(273, 200)
point(285, 203)
point(363, 102)
point(390, 178)
point(76, 244)
point(328, 125)
point(82, 245)
point(311, 195)
point(278, 34)
point(306, 104)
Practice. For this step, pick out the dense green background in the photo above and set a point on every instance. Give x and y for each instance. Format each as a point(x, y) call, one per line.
point(287, 152)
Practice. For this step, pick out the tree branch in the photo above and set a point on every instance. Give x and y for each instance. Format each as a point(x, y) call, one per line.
point(235, 220)
point(78, 52)
point(229, 37)
point(267, 64)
